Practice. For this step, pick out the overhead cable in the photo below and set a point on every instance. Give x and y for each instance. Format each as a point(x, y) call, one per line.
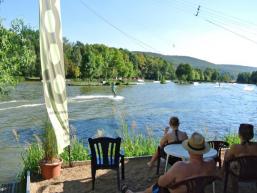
point(137, 41)
point(229, 30)
point(219, 19)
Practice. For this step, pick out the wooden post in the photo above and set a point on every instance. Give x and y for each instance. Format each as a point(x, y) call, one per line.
point(69, 151)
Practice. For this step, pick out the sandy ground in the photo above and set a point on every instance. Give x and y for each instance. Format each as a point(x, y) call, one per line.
point(137, 175)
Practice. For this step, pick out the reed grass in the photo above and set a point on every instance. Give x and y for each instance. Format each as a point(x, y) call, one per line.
point(31, 158)
point(34, 153)
point(78, 152)
point(232, 138)
point(136, 144)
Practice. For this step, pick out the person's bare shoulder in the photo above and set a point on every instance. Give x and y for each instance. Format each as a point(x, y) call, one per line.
point(180, 167)
point(235, 148)
point(211, 164)
point(254, 148)
point(254, 144)
point(185, 135)
point(167, 137)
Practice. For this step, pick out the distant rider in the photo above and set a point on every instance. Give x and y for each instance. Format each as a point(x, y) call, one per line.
point(114, 89)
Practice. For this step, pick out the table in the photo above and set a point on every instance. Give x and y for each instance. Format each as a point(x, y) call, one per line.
point(178, 150)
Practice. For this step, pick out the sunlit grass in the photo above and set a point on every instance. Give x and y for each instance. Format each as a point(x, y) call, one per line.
point(137, 144)
point(78, 152)
point(34, 153)
point(133, 143)
point(232, 138)
point(31, 158)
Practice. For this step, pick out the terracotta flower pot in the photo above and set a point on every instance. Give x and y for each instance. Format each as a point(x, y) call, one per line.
point(50, 170)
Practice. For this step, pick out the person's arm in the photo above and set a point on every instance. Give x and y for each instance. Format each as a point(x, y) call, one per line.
point(212, 166)
point(169, 177)
point(164, 140)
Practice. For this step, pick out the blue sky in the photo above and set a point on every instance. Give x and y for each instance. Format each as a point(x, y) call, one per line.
point(166, 26)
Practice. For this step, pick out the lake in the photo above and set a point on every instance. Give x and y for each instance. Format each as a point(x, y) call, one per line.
point(208, 108)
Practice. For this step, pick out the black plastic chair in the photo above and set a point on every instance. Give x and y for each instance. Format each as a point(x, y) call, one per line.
point(162, 154)
point(193, 185)
point(105, 154)
point(244, 169)
point(218, 145)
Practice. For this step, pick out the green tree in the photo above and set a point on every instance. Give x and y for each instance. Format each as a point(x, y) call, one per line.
point(16, 56)
point(225, 77)
point(22, 48)
point(184, 72)
point(254, 77)
point(244, 77)
point(140, 62)
point(215, 75)
point(197, 75)
point(76, 54)
point(208, 74)
point(32, 36)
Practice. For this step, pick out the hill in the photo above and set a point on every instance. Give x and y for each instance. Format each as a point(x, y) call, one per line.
point(202, 64)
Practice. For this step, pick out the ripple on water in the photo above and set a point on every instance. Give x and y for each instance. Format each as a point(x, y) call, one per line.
point(211, 110)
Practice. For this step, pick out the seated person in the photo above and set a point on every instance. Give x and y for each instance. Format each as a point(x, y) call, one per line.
point(169, 137)
point(246, 147)
point(181, 170)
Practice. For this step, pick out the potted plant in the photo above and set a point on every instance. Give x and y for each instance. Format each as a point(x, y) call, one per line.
point(50, 165)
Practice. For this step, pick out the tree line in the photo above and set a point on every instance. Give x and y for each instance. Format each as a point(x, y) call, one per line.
point(98, 61)
point(20, 57)
point(247, 77)
point(17, 54)
point(185, 72)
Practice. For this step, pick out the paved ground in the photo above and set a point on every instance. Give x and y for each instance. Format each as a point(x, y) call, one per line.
point(138, 177)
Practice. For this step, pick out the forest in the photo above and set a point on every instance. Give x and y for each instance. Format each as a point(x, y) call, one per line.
point(20, 58)
point(247, 77)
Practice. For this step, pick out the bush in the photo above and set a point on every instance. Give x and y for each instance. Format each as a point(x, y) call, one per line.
point(78, 152)
point(49, 143)
point(232, 138)
point(34, 153)
point(31, 158)
point(163, 81)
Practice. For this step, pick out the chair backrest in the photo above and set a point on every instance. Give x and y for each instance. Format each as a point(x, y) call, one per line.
point(218, 145)
point(244, 168)
point(105, 151)
point(195, 184)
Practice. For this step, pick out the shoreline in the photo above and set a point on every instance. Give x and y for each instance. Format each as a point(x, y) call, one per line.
point(128, 82)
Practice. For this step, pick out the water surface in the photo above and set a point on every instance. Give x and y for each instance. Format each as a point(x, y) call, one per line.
point(206, 108)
